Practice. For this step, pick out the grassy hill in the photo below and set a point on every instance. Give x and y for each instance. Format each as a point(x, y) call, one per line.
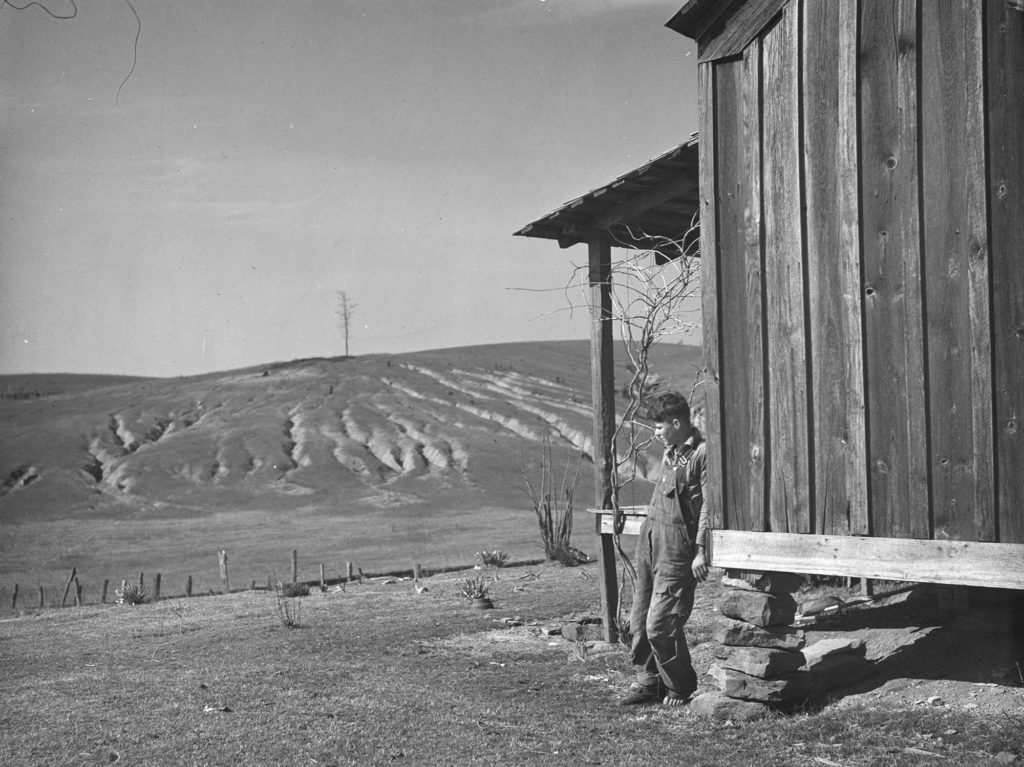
point(379, 459)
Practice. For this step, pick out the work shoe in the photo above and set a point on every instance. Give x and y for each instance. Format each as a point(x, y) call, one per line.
point(639, 695)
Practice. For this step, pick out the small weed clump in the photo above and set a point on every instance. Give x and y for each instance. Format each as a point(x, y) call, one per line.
point(475, 588)
point(131, 594)
point(288, 602)
point(492, 558)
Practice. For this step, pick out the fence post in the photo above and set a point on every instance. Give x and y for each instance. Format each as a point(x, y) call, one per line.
point(252, 585)
point(416, 571)
point(74, 574)
point(188, 586)
point(42, 596)
point(323, 580)
point(156, 588)
point(103, 597)
point(348, 572)
point(223, 561)
point(14, 597)
point(295, 565)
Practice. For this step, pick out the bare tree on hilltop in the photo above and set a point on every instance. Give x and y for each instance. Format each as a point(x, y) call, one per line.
point(344, 314)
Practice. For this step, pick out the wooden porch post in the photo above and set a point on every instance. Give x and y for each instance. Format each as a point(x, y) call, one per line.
point(603, 393)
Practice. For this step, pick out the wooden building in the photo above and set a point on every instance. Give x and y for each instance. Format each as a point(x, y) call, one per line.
point(861, 195)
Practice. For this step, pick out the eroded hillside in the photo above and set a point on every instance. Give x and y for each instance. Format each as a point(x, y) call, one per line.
point(445, 429)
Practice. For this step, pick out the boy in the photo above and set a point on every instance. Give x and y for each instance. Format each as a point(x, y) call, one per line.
point(670, 559)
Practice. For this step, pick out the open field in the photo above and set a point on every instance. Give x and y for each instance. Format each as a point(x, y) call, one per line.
point(382, 460)
point(379, 674)
point(386, 462)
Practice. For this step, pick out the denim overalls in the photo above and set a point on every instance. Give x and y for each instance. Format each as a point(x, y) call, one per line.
point(665, 582)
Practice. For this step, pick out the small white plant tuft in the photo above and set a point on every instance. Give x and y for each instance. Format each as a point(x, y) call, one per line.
point(475, 588)
point(494, 558)
point(131, 594)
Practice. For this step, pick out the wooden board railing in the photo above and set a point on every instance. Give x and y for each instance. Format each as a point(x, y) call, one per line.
point(960, 563)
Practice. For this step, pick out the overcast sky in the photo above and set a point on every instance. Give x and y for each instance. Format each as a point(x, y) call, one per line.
point(264, 155)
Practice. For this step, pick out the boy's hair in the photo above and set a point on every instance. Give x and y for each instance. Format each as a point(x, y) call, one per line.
point(666, 406)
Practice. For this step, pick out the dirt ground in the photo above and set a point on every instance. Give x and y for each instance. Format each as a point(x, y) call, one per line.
point(970, 659)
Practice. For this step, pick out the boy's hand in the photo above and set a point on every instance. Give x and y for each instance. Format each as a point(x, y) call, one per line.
point(700, 566)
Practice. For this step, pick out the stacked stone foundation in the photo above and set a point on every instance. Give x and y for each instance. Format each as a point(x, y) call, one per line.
point(763, 662)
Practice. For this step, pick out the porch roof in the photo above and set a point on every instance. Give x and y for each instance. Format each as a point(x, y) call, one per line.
point(648, 208)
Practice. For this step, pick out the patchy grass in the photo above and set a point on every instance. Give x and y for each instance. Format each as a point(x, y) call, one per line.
point(381, 674)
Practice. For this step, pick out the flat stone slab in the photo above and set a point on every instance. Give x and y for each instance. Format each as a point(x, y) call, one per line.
point(760, 661)
point(729, 631)
point(760, 608)
point(736, 684)
point(819, 651)
point(721, 706)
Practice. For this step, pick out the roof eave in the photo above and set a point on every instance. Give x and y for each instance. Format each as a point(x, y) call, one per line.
point(694, 18)
point(620, 212)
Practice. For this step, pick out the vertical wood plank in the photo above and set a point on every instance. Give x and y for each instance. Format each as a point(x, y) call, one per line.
point(956, 272)
point(1004, 58)
point(602, 377)
point(788, 385)
point(709, 295)
point(67, 588)
point(602, 368)
point(222, 563)
point(893, 313)
point(738, 201)
point(829, 81)
point(756, 442)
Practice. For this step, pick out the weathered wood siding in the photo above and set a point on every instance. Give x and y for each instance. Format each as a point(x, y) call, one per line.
point(785, 325)
point(709, 300)
point(738, 206)
point(829, 85)
point(1004, 127)
point(863, 225)
point(891, 264)
point(956, 271)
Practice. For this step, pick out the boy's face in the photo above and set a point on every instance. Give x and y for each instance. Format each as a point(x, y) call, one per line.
point(672, 432)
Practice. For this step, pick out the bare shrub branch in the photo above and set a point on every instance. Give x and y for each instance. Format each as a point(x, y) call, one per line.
point(651, 290)
point(288, 602)
point(554, 506)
